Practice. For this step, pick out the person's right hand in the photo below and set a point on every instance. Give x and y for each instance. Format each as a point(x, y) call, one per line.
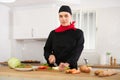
point(63, 66)
point(51, 59)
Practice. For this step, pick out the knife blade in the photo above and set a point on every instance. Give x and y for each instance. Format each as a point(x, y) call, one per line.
point(55, 64)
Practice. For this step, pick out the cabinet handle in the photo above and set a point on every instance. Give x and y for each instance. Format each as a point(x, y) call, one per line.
point(32, 32)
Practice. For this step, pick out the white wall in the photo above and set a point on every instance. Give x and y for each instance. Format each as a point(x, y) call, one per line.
point(108, 25)
point(28, 50)
point(4, 33)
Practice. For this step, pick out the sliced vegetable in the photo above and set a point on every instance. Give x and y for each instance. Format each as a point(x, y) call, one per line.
point(55, 68)
point(43, 67)
point(73, 71)
point(44, 64)
point(21, 66)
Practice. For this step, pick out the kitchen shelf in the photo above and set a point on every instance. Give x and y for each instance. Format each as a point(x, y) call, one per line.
point(38, 39)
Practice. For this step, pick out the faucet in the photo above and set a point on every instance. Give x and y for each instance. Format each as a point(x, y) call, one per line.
point(86, 61)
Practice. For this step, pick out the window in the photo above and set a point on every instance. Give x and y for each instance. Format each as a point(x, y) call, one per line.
point(86, 21)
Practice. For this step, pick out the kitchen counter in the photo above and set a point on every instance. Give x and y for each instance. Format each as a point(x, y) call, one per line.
point(10, 74)
point(106, 66)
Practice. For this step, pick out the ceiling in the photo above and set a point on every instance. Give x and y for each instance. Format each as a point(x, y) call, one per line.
point(81, 3)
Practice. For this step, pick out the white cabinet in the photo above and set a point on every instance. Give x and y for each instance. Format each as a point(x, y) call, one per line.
point(34, 23)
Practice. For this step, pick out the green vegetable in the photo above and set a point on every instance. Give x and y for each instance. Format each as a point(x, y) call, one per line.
point(14, 62)
point(49, 68)
point(21, 66)
point(66, 68)
point(44, 64)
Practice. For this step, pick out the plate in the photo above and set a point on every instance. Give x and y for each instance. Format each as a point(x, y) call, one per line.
point(35, 67)
point(23, 69)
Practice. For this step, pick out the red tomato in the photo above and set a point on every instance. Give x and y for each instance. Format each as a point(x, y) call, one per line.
point(42, 67)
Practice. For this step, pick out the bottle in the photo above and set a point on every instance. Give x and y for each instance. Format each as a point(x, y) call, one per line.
point(114, 61)
point(111, 60)
point(108, 55)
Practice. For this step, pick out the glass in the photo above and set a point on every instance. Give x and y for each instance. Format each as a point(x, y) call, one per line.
point(108, 55)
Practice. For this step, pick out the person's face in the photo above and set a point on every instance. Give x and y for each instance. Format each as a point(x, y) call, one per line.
point(65, 18)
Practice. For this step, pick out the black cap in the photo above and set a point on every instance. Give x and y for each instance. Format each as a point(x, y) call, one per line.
point(65, 8)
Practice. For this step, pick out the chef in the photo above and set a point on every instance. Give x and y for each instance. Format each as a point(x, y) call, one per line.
point(65, 43)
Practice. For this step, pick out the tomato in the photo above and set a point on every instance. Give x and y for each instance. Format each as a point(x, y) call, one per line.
point(43, 67)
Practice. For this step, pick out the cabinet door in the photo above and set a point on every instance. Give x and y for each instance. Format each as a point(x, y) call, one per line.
point(22, 32)
point(47, 21)
point(22, 27)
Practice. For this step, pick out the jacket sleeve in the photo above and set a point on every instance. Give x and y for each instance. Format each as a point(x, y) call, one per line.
point(77, 50)
point(48, 47)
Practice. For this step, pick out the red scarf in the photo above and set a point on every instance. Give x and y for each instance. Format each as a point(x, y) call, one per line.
point(64, 28)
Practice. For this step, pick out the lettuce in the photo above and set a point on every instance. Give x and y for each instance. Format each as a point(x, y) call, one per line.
point(14, 62)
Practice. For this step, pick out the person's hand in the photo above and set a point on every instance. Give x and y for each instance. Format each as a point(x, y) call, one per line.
point(63, 66)
point(51, 59)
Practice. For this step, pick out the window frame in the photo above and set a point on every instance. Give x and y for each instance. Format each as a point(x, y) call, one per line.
point(79, 16)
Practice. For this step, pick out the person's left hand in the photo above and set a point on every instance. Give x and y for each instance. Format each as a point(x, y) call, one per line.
point(63, 66)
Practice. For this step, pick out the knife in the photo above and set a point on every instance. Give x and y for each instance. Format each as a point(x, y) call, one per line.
point(55, 64)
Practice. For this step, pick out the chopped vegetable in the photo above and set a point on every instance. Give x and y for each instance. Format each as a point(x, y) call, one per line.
point(55, 68)
point(43, 67)
point(67, 68)
point(24, 66)
point(72, 71)
point(44, 64)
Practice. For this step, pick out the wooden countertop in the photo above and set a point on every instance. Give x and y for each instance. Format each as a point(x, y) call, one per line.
point(51, 75)
point(106, 66)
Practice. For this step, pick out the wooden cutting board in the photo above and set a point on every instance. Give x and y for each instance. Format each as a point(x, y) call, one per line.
point(53, 75)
